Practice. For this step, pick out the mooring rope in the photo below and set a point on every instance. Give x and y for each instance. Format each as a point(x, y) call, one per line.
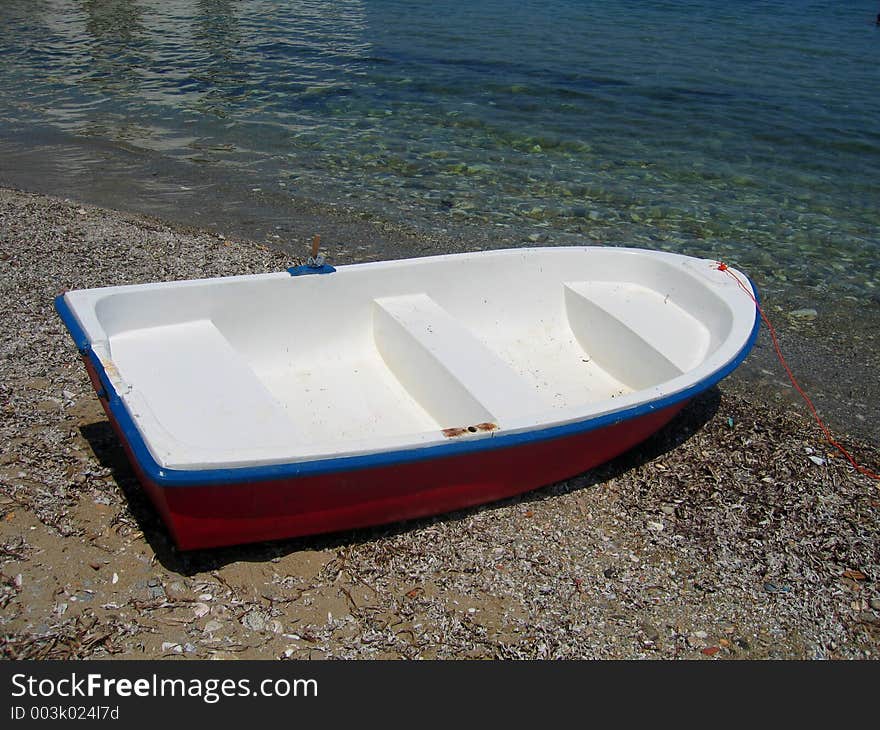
point(825, 430)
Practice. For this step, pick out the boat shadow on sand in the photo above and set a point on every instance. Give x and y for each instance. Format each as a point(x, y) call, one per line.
point(109, 451)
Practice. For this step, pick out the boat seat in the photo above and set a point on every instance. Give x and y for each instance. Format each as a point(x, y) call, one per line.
point(453, 375)
point(203, 393)
point(636, 333)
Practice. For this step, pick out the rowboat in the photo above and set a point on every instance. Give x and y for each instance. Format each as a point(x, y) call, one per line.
point(320, 399)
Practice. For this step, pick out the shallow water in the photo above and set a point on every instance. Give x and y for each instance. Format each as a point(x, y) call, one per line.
point(744, 131)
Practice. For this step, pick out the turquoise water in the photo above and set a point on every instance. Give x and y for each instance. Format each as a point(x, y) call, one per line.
point(748, 131)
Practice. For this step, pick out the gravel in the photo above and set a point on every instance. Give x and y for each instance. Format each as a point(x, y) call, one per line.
point(736, 532)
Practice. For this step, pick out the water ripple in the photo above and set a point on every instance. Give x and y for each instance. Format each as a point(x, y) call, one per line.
point(744, 127)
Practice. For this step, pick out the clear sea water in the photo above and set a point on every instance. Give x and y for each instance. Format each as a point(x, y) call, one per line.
point(745, 130)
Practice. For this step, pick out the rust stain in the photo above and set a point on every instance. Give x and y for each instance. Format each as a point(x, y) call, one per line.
point(451, 433)
point(461, 431)
point(109, 367)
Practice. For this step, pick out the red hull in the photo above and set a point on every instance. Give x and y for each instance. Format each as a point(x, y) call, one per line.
point(229, 514)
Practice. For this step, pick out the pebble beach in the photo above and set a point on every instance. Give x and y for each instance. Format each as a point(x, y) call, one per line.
point(734, 533)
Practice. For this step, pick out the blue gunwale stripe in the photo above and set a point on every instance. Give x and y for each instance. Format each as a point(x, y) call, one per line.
point(165, 477)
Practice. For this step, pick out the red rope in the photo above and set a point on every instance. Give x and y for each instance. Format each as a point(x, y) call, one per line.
point(825, 430)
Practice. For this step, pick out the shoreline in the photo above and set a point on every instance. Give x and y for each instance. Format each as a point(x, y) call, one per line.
point(830, 340)
point(730, 534)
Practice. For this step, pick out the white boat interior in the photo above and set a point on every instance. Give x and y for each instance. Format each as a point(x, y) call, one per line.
point(274, 368)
